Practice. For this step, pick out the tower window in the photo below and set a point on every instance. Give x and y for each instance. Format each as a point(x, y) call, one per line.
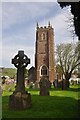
point(43, 36)
point(43, 70)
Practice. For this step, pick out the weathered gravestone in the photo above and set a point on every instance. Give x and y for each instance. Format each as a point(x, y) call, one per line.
point(20, 99)
point(65, 84)
point(36, 85)
point(44, 86)
point(55, 83)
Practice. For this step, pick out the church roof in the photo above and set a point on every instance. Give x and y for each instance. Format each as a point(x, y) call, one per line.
point(32, 68)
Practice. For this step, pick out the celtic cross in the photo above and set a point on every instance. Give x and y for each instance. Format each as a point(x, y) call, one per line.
point(20, 61)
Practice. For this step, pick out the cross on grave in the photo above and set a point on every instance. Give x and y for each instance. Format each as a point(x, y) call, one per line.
point(20, 99)
point(20, 61)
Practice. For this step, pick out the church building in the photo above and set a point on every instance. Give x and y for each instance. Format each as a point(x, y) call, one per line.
point(44, 52)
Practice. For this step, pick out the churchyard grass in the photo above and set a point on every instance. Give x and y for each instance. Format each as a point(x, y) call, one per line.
point(60, 104)
point(0, 107)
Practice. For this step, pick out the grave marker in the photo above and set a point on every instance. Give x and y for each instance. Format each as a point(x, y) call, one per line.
point(44, 86)
point(20, 99)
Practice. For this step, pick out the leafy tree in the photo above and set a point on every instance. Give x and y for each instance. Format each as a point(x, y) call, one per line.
point(68, 56)
point(59, 70)
point(75, 10)
point(26, 73)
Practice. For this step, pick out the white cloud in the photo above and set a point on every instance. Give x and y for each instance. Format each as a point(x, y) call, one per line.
point(61, 33)
point(9, 53)
point(25, 11)
point(0, 53)
point(24, 35)
point(0, 33)
point(0, 20)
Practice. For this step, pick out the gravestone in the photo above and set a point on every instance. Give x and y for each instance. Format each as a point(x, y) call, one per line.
point(65, 84)
point(55, 83)
point(20, 99)
point(36, 85)
point(44, 86)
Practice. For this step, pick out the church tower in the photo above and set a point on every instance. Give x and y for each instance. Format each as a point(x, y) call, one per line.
point(44, 54)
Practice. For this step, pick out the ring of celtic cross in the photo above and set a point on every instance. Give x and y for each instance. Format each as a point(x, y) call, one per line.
point(20, 62)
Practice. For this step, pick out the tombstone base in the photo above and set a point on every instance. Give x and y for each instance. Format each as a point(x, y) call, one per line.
point(19, 101)
point(65, 84)
point(44, 93)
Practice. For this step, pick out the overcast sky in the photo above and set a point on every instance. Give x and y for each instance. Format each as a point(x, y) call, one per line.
point(19, 27)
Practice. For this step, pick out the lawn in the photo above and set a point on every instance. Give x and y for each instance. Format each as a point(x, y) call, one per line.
point(60, 104)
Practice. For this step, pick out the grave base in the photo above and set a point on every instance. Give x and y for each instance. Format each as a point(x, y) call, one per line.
point(44, 86)
point(65, 84)
point(19, 101)
point(44, 93)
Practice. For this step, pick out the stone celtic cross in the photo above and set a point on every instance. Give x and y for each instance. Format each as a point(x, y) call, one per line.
point(20, 61)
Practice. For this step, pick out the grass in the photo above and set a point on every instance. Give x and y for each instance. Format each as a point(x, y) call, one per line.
point(60, 104)
point(0, 107)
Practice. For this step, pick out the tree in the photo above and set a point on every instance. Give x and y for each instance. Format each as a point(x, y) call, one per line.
point(75, 10)
point(59, 71)
point(68, 57)
point(26, 73)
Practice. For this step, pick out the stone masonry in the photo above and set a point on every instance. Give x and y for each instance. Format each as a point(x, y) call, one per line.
point(44, 55)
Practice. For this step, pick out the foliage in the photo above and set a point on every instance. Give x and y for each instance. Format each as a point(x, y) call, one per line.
point(68, 58)
point(59, 70)
point(26, 73)
point(75, 10)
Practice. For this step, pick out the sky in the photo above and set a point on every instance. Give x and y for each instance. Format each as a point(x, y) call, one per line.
point(18, 26)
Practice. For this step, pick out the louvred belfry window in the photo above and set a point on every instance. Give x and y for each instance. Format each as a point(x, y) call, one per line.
point(43, 36)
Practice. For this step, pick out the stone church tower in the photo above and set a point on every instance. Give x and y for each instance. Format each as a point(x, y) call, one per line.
point(44, 55)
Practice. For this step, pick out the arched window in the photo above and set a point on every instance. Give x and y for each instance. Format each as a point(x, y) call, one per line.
point(43, 36)
point(44, 70)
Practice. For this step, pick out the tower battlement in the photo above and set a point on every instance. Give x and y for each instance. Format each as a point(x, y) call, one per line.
point(45, 27)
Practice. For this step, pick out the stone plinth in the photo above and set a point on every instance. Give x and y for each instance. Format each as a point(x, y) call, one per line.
point(65, 84)
point(19, 101)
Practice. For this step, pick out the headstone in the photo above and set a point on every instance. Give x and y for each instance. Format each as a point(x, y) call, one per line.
point(31, 85)
point(55, 83)
point(36, 85)
point(60, 84)
point(44, 86)
point(31, 74)
point(20, 99)
point(65, 84)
